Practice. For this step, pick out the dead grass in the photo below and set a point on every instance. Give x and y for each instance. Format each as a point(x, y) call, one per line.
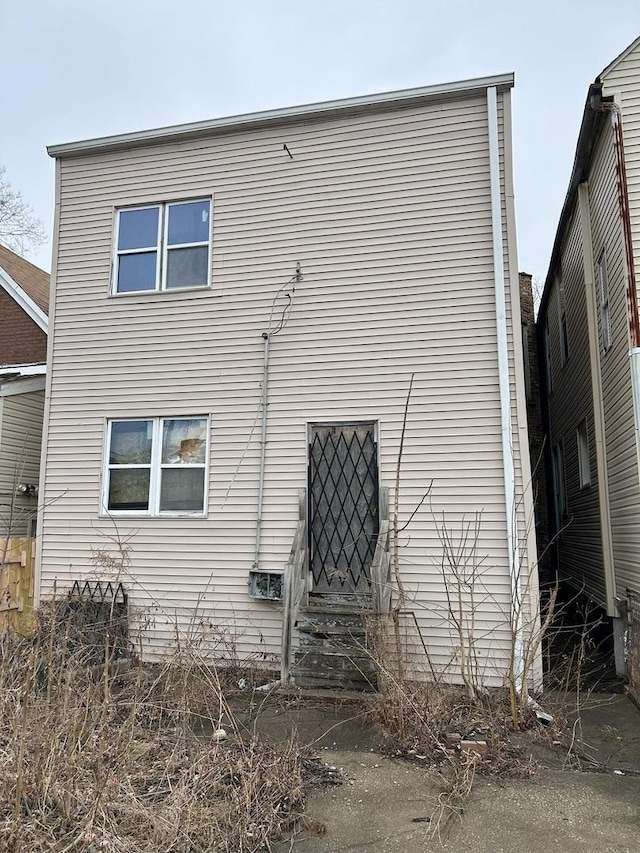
point(105, 757)
point(455, 736)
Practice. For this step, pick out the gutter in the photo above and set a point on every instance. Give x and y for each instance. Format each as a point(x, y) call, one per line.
point(592, 122)
point(325, 109)
point(511, 508)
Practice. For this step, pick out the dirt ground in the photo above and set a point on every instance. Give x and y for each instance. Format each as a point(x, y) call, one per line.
point(588, 801)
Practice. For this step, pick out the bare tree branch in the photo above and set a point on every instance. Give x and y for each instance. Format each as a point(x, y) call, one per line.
point(20, 228)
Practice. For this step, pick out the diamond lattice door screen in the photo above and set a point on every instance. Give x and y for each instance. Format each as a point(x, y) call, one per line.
point(343, 508)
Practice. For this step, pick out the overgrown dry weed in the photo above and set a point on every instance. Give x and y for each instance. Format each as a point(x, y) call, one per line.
point(428, 722)
point(453, 736)
point(104, 756)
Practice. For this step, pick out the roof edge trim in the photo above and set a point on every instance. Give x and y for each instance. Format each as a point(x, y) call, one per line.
point(163, 134)
point(619, 58)
point(22, 298)
point(592, 121)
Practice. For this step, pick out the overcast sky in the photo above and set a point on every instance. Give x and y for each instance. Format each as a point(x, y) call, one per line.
point(76, 69)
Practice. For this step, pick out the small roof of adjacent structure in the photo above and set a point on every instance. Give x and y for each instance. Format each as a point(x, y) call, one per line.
point(27, 276)
point(326, 109)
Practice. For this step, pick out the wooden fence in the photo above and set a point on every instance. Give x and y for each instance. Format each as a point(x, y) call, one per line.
point(17, 575)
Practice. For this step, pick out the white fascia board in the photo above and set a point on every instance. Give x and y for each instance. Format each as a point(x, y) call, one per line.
point(22, 386)
point(27, 369)
point(22, 298)
point(306, 111)
point(619, 59)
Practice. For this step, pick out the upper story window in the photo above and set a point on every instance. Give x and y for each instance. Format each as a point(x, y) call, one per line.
point(156, 466)
point(603, 295)
point(547, 356)
point(559, 487)
point(526, 357)
point(562, 323)
point(584, 466)
point(162, 246)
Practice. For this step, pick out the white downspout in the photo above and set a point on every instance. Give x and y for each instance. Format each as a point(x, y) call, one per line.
point(505, 393)
point(263, 448)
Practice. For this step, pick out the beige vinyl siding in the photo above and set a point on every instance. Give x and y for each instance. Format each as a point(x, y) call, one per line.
point(389, 216)
point(20, 445)
point(579, 544)
point(623, 82)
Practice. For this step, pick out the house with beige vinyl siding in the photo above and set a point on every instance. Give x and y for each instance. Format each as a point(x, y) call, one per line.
point(240, 309)
point(24, 300)
point(589, 323)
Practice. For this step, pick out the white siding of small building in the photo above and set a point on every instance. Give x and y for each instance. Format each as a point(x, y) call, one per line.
point(389, 216)
point(20, 446)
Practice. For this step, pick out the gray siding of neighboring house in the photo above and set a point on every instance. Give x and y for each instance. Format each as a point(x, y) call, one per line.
point(20, 447)
point(580, 546)
point(623, 82)
point(389, 215)
point(578, 538)
point(620, 439)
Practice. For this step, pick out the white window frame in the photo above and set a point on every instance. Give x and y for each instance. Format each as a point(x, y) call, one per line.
point(161, 248)
point(547, 356)
point(559, 486)
point(584, 464)
point(603, 298)
point(155, 468)
point(563, 331)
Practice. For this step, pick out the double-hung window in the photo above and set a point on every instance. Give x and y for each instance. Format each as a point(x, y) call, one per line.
point(162, 247)
point(603, 293)
point(559, 487)
point(584, 466)
point(156, 466)
point(562, 323)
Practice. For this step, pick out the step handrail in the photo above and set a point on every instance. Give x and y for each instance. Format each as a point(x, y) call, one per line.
point(382, 587)
point(295, 584)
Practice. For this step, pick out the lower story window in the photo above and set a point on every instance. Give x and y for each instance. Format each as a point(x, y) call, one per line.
point(156, 466)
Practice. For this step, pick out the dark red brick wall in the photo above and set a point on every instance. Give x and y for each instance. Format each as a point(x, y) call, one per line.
point(536, 431)
point(21, 340)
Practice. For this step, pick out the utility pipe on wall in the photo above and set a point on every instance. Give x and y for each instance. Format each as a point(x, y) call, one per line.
point(505, 392)
point(263, 446)
point(264, 397)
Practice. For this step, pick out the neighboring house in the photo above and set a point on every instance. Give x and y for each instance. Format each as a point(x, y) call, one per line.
point(24, 295)
point(590, 336)
point(320, 256)
point(535, 423)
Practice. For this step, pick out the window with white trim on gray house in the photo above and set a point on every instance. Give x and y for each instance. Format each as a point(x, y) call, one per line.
point(156, 466)
point(162, 247)
point(562, 323)
point(603, 297)
point(547, 356)
point(559, 486)
point(584, 466)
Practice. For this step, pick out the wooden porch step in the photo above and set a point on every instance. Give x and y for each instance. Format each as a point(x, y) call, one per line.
point(334, 668)
point(315, 680)
point(337, 632)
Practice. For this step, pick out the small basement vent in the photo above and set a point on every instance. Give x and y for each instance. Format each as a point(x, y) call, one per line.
point(266, 585)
